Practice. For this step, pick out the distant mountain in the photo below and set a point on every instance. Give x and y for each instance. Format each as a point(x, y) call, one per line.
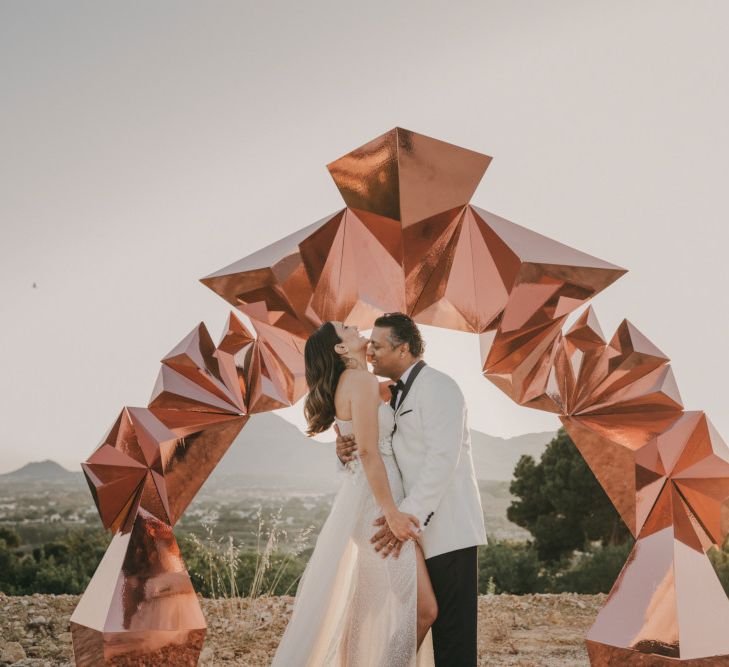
point(272, 452)
point(495, 458)
point(40, 471)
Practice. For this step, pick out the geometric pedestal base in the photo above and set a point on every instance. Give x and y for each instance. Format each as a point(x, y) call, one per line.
point(602, 655)
point(140, 607)
point(137, 649)
point(667, 606)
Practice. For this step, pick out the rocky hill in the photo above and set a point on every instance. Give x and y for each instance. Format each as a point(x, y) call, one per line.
point(270, 448)
point(38, 470)
point(546, 630)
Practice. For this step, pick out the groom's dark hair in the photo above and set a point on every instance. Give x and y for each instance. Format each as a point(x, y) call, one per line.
point(403, 330)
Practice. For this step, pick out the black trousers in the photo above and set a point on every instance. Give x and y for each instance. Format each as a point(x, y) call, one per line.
point(455, 581)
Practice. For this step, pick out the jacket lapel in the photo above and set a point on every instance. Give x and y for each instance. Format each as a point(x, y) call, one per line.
point(411, 378)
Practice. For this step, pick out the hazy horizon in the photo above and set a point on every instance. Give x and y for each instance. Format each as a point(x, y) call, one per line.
point(76, 465)
point(148, 145)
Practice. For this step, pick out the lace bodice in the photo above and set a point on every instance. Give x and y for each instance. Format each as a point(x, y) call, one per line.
point(386, 424)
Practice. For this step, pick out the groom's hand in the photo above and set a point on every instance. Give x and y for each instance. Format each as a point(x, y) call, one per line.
point(385, 542)
point(346, 447)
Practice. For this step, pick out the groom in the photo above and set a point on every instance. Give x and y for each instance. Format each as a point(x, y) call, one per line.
point(432, 447)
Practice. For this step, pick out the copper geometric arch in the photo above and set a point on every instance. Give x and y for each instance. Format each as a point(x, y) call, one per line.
point(409, 240)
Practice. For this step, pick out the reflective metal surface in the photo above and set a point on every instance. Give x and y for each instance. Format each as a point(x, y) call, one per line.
point(140, 607)
point(126, 472)
point(667, 601)
point(407, 176)
point(409, 240)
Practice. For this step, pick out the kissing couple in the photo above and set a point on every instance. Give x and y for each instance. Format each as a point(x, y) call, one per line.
point(393, 579)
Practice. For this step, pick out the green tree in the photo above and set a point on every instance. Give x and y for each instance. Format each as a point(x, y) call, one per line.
point(10, 537)
point(8, 567)
point(559, 501)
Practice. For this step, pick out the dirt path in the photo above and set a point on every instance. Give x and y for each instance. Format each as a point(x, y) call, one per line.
point(529, 630)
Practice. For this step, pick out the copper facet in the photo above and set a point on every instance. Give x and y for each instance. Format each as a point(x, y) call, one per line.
point(204, 438)
point(468, 286)
point(553, 279)
point(191, 379)
point(269, 368)
point(549, 282)
point(410, 240)
point(276, 275)
point(357, 276)
point(232, 352)
point(407, 176)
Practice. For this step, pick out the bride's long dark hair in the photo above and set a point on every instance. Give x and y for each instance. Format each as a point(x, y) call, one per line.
point(324, 367)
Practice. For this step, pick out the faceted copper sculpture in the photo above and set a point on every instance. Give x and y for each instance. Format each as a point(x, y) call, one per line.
point(667, 473)
point(409, 240)
point(148, 469)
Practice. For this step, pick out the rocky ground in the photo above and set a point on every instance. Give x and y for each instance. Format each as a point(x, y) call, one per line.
point(529, 630)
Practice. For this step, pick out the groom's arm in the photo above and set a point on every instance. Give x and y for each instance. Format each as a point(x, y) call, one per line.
point(442, 412)
point(345, 448)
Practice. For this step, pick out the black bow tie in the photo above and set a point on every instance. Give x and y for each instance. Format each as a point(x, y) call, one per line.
point(398, 386)
point(394, 389)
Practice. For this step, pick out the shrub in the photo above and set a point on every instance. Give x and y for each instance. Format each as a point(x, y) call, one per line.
point(720, 561)
point(509, 567)
point(64, 565)
point(592, 572)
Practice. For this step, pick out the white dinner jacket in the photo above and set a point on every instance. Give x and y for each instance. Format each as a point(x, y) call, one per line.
point(432, 446)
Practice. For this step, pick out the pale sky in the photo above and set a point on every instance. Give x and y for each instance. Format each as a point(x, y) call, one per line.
point(145, 145)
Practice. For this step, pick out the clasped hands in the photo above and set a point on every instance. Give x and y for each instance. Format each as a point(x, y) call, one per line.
point(385, 541)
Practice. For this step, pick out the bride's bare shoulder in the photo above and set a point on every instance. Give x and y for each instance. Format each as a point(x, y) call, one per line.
point(359, 379)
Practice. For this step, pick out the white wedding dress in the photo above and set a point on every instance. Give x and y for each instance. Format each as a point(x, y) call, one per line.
point(353, 608)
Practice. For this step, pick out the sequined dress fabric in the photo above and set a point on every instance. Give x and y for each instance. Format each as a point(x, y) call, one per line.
point(353, 608)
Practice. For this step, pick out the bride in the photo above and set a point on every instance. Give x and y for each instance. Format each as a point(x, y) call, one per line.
point(353, 607)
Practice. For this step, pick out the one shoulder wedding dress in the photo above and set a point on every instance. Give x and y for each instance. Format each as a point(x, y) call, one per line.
point(354, 608)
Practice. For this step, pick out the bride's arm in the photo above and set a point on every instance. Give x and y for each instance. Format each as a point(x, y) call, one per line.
point(364, 404)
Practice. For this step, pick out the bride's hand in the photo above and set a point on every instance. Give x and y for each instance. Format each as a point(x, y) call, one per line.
point(403, 526)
